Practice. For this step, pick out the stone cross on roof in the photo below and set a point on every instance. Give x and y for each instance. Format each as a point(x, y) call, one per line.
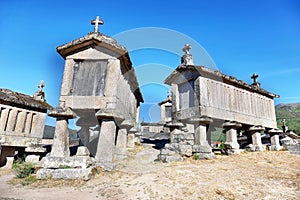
point(97, 22)
point(41, 86)
point(39, 94)
point(187, 58)
point(254, 77)
point(255, 83)
point(186, 49)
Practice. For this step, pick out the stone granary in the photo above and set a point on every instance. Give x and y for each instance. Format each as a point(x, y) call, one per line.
point(165, 118)
point(22, 121)
point(99, 85)
point(204, 99)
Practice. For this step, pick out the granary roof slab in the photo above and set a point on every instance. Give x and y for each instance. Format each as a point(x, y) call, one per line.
point(9, 97)
point(218, 76)
point(91, 39)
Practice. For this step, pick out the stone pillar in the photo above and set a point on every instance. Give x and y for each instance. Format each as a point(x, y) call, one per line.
point(60, 147)
point(231, 136)
point(201, 146)
point(89, 129)
point(131, 137)
point(106, 144)
point(162, 113)
point(122, 140)
point(121, 144)
point(274, 136)
point(138, 109)
point(256, 138)
point(107, 137)
point(130, 140)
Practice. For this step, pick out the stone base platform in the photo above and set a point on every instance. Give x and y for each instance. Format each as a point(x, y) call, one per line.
point(203, 151)
point(67, 174)
point(84, 162)
point(275, 148)
point(76, 167)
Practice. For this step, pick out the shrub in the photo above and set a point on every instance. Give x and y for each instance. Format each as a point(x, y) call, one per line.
point(23, 169)
point(29, 179)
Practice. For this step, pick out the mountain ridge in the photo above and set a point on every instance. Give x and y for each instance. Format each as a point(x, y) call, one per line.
point(291, 113)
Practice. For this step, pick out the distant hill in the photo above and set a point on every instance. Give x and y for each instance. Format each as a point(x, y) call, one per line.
point(290, 112)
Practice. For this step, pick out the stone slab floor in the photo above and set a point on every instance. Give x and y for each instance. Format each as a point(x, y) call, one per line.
point(259, 175)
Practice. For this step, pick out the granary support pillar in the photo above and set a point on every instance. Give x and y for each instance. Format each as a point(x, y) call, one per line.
point(131, 137)
point(121, 144)
point(106, 147)
point(231, 136)
point(60, 147)
point(106, 143)
point(201, 146)
point(274, 136)
point(256, 138)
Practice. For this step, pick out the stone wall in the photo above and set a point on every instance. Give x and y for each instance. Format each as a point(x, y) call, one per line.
point(21, 122)
point(224, 101)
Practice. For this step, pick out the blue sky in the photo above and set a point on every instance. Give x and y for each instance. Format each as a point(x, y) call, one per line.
point(236, 37)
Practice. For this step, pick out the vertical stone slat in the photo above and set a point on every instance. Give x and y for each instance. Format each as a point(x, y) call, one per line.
point(20, 122)
point(12, 120)
point(203, 93)
point(175, 97)
point(37, 129)
point(4, 118)
point(68, 76)
point(28, 123)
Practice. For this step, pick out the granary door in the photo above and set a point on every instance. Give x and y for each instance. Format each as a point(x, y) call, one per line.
point(89, 78)
point(186, 94)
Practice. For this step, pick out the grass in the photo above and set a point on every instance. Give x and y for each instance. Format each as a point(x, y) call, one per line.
point(24, 171)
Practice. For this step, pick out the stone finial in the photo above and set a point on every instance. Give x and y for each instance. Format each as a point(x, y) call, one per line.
point(97, 22)
point(255, 82)
point(186, 49)
point(39, 94)
point(187, 58)
point(283, 122)
point(284, 126)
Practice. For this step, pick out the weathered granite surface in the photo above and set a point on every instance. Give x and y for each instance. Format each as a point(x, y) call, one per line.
point(83, 162)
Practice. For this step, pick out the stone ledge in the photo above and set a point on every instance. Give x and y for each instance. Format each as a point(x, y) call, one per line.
point(202, 149)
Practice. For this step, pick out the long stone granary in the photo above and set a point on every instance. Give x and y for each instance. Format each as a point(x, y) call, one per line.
point(99, 84)
point(202, 96)
point(22, 123)
point(213, 94)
